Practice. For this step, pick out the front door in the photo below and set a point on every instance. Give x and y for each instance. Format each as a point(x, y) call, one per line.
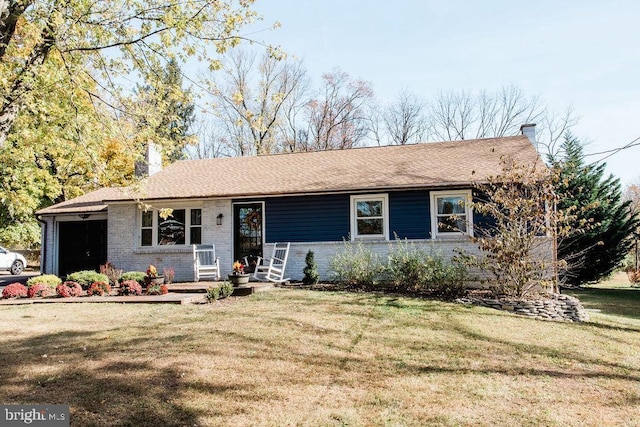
point(247, 233)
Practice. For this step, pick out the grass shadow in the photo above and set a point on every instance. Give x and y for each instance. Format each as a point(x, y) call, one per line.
point(65, 368)
point(530, 348)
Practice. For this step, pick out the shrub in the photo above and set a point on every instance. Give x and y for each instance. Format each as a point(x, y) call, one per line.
point(14, 290)
point(46, 279)
point(138, 276)
point(414, 268)
point(99, 288)
point(406, 266)
point(219, 292)
point(356, 265)
point(634, 276)
point(69, 289)
point(130, 287)
point(169, 274)
point(409, 268)
point(112, 273)
point(310, 270)
point(39, 290)
point(213, 293)
point(154, 289)
point(87, 277)
point(447, 280)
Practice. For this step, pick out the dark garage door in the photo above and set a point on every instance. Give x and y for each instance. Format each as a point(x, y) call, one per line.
point(82, 245)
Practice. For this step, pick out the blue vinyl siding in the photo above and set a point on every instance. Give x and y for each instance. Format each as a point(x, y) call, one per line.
point(307, 218)
point(409, 215)
point(326, 218)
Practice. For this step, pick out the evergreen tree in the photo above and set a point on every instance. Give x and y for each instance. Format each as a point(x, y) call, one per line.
point(601, 223)
point(310, 271)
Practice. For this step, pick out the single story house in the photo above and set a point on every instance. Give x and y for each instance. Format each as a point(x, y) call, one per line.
point(314, 200)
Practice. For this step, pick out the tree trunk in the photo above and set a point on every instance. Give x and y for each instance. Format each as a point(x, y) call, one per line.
point(10, 11)
point(7, 117)
point(23, 83)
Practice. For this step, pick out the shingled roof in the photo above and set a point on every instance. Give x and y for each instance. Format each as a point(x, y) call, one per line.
point(428, 165)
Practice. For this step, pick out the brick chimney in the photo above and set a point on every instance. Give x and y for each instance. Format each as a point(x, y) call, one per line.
point(529, 130)
point(152, 162)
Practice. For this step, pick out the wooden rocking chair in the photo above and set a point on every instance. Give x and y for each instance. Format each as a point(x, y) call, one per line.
point(272, 269)
point(205, 263)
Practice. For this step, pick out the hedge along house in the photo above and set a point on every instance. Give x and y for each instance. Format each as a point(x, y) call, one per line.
point(315, 200)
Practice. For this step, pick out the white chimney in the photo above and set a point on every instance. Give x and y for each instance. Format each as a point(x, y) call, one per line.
point(152, 162)
point(529, 130)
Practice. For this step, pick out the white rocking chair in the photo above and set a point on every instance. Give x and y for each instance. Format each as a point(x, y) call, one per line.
point(272, 269)
point(205, 263)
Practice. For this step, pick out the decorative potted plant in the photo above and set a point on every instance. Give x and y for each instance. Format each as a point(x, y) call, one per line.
point(152, 277)
point(238, 277)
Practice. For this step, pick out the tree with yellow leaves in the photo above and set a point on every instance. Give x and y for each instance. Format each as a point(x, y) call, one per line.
point(107, 40)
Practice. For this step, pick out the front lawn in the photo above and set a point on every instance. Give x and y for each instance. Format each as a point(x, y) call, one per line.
point(292, 357)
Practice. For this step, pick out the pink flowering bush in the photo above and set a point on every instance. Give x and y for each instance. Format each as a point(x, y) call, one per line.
point(14, 290)
point(69, 289)
point(63, 291)
point(39, 290)
point(75, 288)
point(130, 287)
point(99, 289)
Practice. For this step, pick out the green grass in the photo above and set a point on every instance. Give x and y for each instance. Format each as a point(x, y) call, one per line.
point(292, 357)
point(618, 302)
point(615, 297)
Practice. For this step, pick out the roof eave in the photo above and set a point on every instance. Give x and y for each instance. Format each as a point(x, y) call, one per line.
point(63, 211)
point(245, 195)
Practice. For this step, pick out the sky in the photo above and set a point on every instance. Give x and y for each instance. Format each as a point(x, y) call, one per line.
point(579, 54)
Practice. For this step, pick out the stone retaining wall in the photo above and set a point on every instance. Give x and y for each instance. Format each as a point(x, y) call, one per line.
point(548, 307)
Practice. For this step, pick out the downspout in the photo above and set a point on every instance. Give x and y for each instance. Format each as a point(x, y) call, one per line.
point(43, 246)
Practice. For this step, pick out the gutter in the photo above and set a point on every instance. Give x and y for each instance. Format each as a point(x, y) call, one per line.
point(354, 190)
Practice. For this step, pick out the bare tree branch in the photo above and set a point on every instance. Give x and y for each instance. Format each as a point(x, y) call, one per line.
point(254, 100)
point(404, 120)
point(337, 118)
point(462, 115)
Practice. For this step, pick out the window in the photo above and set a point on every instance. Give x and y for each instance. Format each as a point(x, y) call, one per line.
point(451, 214)
point(173, 229)
point(369, 218)
point(196, 227)
point(147, 228)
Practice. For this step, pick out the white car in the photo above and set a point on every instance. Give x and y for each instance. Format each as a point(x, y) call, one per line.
point(12, 261)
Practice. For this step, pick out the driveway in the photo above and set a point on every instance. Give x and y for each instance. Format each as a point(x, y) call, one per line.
point(7, 278)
